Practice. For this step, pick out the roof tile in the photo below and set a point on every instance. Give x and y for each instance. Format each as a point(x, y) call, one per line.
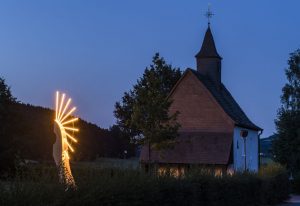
point(227, 102)
point(194, 148)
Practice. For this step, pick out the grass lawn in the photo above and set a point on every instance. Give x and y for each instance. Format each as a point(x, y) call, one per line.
point(132, 163)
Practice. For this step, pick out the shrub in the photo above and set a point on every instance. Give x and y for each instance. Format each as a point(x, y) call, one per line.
point(275, 184)
point(296, 183)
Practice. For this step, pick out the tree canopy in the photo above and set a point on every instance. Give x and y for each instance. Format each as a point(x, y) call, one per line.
point(144, 111)
point(286, 147)
point(35, 137)
point(8, 147)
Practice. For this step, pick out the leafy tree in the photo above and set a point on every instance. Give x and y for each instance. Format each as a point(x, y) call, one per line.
point(7, 147)
point(144, 111)
point(286, 147)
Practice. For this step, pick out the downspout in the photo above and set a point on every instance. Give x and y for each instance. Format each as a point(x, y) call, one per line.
point(259, 134)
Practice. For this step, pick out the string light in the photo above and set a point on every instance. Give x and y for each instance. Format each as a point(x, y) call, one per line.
point(63, 117)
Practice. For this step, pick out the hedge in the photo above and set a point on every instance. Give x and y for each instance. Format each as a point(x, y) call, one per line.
point(39, 186)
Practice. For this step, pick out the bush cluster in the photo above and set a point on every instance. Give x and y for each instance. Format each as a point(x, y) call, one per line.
point(296, 183)
point(39, 186)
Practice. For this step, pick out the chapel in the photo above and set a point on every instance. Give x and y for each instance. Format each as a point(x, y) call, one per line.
point(215, 132)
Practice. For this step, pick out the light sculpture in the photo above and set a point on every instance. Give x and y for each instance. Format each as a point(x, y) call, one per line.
point(64, 130)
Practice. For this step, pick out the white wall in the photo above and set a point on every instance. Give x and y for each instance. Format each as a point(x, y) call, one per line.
point(251, 150)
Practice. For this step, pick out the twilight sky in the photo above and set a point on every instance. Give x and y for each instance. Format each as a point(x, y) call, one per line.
point(96, 50)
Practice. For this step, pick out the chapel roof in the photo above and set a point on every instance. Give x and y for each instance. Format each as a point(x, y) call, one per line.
point(227, 102)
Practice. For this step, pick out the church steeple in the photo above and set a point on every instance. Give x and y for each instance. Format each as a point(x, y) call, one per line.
point(208, 59)
point(208, 48)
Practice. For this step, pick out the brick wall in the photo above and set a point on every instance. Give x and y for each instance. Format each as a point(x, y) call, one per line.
point(198, 109)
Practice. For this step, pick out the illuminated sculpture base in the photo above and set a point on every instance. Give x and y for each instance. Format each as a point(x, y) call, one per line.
point(61, 158)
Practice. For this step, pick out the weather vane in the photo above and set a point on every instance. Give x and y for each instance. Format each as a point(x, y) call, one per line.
point(209, 14)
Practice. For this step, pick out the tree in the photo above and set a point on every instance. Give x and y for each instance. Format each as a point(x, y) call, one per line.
point(7, 146)
point(286, 147)
point(144, 111)
point(122, 147)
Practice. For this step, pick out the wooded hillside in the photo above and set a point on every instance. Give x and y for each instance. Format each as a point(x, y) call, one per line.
point(35, 136)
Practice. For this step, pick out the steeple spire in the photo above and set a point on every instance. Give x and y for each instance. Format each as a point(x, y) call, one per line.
point(208, 48)
point(208, 59)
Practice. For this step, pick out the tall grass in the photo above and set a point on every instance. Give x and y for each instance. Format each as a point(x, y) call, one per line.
point(39, 185)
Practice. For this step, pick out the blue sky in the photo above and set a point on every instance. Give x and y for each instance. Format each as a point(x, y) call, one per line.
point(96, 50)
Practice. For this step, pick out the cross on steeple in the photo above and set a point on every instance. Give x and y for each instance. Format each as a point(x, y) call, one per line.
point(208, 60)
point(209, 14)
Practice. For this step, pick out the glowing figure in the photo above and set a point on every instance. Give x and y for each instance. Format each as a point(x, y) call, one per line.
point(63, 126)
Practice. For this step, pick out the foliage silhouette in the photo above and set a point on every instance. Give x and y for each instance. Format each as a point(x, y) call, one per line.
point(143, 112)
point(286, 146)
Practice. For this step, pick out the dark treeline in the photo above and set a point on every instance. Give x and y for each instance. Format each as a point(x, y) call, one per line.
point(26, 132)
point(35, 137)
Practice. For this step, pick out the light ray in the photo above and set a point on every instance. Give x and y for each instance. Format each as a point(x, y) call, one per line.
point(56, 109)
point(70, 121)
point(71, 148)
point(66, 107)
point(68, 114)
point(61, 105)
point(72, 129)
point(72, 138)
